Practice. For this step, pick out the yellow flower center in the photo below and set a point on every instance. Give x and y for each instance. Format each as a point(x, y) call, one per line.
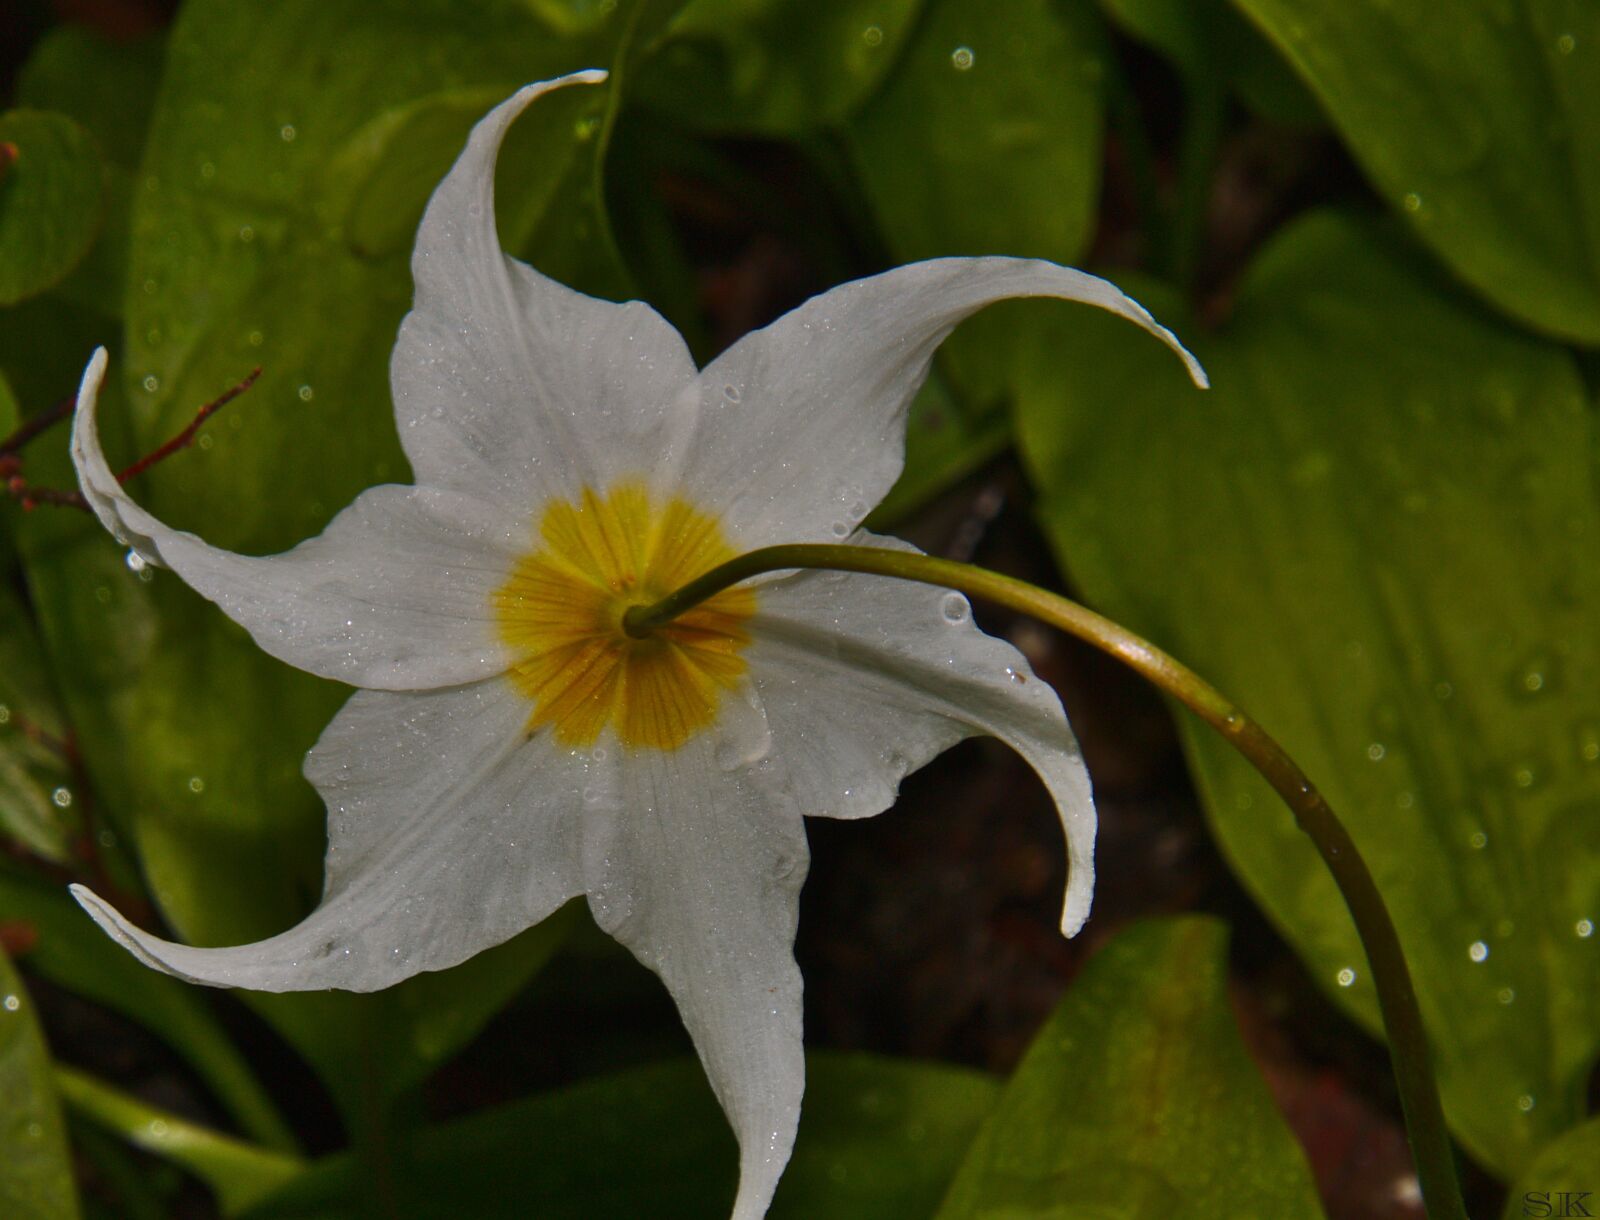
point(561, 614)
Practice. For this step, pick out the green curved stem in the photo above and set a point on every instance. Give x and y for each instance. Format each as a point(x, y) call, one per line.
point(1397, 1000)
point(241, 1174)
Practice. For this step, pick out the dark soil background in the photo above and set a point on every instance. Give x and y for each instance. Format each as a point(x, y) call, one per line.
point(929, 931)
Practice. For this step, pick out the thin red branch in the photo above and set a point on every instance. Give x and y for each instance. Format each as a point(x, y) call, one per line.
point(8, 156)
point(186, 438)
point(18, 488)
point(31, 428)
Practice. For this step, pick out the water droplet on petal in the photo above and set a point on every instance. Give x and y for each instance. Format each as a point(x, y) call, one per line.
point(955, 608)
point(1346, 977)
point(1478, 951)
point(962, 59)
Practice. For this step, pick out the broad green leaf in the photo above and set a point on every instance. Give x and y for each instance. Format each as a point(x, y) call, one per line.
point(110, 88)
point(984, 140)
point(1207, 37)
point(1562, 1178)
point(35, 1172)
point(1376, 533)
point(70, 951)
point(1478, 121)
point(52, 200)
point(878, 1140)
point(774, 67)
point(986, 137)
point(1138, 1100)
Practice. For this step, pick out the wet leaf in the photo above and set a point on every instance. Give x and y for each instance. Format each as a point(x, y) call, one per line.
point(1562, 1178)
point(878, 1140)
point(35, 1171)
point(1478, 122)
point(1376, 533)
point(52, 200)
point(775, 67)
point(1137, 1098)
point(1209, 38)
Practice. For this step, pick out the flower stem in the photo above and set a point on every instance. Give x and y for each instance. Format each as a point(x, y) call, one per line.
point(1397, 1001)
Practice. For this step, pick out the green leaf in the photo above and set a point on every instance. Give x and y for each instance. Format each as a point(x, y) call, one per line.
point(1376, 533)
point(110, 88)
point(1478, 121)
point(984, 140)
point(878, 1139)
point(1207, 38)
point(35, 1172)
point(31, 770)
point(1565, 1165)
point(239, 1174)
point(52, 200)
point(1138, 1099)
point(774, 67)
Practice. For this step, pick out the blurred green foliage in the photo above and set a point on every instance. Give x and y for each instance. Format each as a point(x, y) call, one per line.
point(1378, 531)
point(35, 1172)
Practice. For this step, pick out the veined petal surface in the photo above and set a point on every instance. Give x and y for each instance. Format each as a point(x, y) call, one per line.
point(695, 861)
point(863, 679)
point(507, 383)
point(393, 595)
point(801, 426)
point(449, 831)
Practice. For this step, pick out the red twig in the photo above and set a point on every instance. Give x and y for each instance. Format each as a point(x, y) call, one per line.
point(30, 497)
point(8, 156)
point(186, 438)
point(31, 428)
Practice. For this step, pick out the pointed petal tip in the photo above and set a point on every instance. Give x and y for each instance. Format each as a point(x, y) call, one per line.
point(116, 927)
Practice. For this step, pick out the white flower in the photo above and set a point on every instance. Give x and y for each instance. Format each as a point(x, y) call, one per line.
point(510, 748)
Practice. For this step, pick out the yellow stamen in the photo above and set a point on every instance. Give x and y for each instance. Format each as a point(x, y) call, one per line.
point(561, 614)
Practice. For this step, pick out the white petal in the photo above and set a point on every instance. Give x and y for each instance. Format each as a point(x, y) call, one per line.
point(507, 382)
point(802, 424)
point(394, 594)
point(866, 678)
point(449, 831)
point(697, 868)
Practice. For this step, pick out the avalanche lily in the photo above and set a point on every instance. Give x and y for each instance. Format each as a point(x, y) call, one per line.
point(510, 747)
